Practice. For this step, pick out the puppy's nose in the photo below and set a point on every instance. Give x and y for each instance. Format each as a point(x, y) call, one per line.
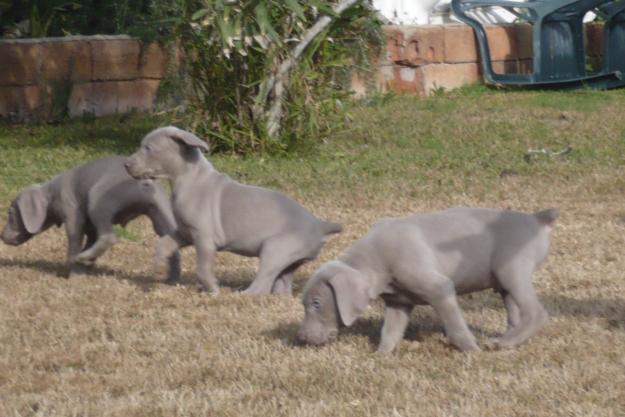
point(301, 337)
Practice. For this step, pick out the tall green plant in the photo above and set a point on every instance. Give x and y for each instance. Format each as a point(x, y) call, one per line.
point(231, 47)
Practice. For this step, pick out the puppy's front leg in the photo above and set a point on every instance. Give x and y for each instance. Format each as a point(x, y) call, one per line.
point(396, 317)
point(167, 257)
point(440, 293)
point(205, 252)
point(75, 230)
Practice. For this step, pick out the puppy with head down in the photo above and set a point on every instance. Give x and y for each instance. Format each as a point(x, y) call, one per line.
point(429, 259)
point(88, 200)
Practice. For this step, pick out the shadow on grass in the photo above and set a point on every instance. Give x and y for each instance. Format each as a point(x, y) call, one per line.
point(611, 309)
point(425, 325)
point(236, 282)
point(420, 328)
point(285, 333)
point(61, 270)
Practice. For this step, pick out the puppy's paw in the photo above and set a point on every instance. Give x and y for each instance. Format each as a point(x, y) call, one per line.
point(161, 268)
point(77, 270)
point(84, 259)
point(492, 344)
point(500, 343)
point(213, 292)
point(255, 290)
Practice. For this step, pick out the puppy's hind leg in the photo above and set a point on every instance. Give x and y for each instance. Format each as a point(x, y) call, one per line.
point(92, 236)
point(75, 230)
point(103, 222)
point(440, 293)
point(283, 284)
point(512, 310)
point(162, 226)
point(205, 252)
point(279, 258)
point(517, 281)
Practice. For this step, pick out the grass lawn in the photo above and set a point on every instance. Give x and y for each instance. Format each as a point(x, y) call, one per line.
point(119, 343)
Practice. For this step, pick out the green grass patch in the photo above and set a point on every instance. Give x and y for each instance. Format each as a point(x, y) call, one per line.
point(471, 135)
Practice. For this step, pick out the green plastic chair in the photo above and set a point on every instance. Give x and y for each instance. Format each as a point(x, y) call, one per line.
point(559, 59)
point(613, 36)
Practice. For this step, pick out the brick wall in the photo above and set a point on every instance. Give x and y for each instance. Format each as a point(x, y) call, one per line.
point(113, 74)
point(420, 59)
point(93, 74)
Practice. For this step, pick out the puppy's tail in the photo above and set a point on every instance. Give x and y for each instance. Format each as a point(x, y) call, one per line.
point(547, 217)
point(330, 228)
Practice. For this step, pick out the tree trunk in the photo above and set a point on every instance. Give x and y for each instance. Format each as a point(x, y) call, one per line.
point(273, 88)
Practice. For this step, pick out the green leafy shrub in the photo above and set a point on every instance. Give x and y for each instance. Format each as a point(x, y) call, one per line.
point(40, 18)
point(232, 47)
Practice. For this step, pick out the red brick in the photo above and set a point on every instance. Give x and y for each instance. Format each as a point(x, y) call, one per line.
point(115, 59)
point(526, 66)
point(524, 34)
point(103, 98)
point(358, 85)
point(515, 66)
point(506, 67)
point(21, 101)
point(594, 38)
point(153, 61)
point(139, 95)
point(406, 80)
point(394, 43)
point(66, 60)
point(507, 42)
point(460, 44)
point(426, 44)
point(383, 78)
point(447, 76)
point(20, 62)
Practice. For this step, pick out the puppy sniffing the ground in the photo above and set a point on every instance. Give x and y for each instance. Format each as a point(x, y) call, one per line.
point(429, 259)
point(215, 213)
point(89, 199)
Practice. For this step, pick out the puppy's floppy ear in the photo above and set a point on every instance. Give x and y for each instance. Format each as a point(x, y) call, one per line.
point(33, 207)
point(189, 139)
point(351, 291)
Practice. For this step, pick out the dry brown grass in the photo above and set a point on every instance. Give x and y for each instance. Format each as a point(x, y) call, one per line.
point(120, 344)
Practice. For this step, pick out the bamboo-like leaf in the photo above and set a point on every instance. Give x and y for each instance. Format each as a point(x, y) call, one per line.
point(262, 19)
point(323, 7)
point(295, 7)
point(200, 14)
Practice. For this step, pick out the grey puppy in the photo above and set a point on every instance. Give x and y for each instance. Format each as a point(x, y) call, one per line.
point(215, 213)
point(89, 199)
point(428, 259)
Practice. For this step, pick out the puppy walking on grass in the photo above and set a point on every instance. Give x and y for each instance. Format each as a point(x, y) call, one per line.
point(429, 259)
point(215, 213)
point(89, 199)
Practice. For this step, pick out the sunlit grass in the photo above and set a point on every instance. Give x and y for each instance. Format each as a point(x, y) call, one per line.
point(119, 343)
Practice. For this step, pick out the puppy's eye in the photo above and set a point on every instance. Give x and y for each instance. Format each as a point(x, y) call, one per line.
point(148, 148)
point(316, 304)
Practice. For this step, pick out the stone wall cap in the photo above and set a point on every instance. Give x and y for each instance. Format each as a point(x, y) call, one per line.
point(67, 39)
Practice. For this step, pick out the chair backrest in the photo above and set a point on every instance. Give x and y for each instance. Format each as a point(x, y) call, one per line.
point(559, 54)
point(614, 37)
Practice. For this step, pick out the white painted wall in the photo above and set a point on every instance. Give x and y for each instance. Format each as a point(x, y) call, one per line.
point(437, 12)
